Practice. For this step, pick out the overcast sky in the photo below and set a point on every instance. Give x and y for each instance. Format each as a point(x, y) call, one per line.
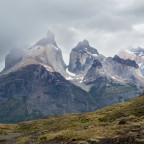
point(109, 25)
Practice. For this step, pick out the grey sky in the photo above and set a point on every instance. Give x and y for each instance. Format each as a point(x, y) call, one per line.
point(109, 25)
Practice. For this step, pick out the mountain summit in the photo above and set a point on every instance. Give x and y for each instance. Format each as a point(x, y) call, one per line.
point(45, 52)
point(84, 46)
point(82, 56)
point(49, 39)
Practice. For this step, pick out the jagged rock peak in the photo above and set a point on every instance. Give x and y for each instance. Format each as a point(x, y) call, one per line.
point(126, 62)
point(84, 46)
point(84, 43)
point(49, 39)
point(82, 57)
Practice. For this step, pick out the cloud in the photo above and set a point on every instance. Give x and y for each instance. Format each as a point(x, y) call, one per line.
point(109, 25)
point(139, 28)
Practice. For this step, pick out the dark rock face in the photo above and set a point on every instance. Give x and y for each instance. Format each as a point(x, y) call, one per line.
point(33, 92)
point(95, 74)
point(126, 62)
point(81, 57)
point(96, 63)
point(50, 39)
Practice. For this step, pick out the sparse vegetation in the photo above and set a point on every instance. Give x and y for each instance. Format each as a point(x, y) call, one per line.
point(123, 123)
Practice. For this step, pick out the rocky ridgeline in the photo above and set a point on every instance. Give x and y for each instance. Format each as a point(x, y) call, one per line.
point(36, 82)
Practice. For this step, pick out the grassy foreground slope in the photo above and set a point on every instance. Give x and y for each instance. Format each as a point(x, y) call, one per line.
point(117, 124)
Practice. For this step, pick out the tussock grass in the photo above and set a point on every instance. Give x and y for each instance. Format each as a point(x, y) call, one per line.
point(116, 121)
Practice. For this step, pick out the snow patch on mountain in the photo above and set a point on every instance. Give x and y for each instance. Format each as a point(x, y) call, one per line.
point(140, 64)
point(70, 73)
point(69, 78)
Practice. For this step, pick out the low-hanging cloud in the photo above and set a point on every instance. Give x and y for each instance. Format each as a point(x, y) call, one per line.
point(109, 25)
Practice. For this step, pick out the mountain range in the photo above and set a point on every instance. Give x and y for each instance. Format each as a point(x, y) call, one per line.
point(36, 82)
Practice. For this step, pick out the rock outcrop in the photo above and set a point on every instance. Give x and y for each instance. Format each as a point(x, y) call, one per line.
point(33, 92)
point(136, 54)
point(44, 52)
point(81, 57)
point(112, 82)
point(126, 62)
point(109, 80)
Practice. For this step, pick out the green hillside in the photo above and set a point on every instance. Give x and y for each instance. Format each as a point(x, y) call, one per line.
point(117, 124)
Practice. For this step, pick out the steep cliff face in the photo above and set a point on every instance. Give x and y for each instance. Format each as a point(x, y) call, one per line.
point(112, 82)
point(108, 80)
point(81, 57)
point(33, 92)
point(44, 52)
point(95, 72)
